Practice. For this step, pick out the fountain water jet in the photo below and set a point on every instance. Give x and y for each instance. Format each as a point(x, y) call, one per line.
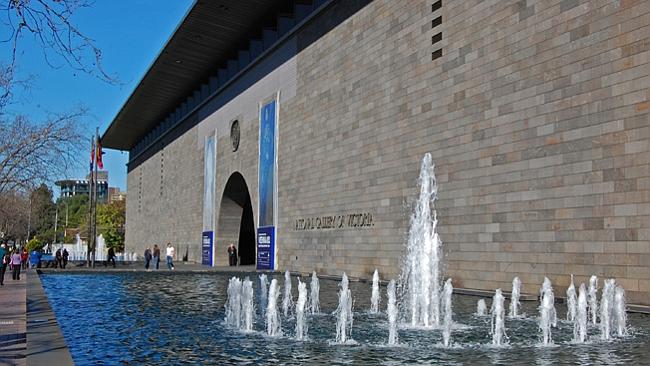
point(247, 308)
point(547, 314)
point(273, 324)
point(375, 299)
point(446, 306)
point(344, 316)
point(514, 298)
point(620, 315)
point(287, 301)
point(580, 320)
point(264, 289)
point(301, 319)
point(498, 328)
point(391, 310)
point(419, 277)
point(233, 304)
point(606, 305)
point(481, 308)
point(314, 300)
point(571, 301)
point(593, 299)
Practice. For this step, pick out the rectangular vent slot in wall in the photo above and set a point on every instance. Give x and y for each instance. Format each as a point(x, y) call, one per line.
point(435, 6)
point(435, 23)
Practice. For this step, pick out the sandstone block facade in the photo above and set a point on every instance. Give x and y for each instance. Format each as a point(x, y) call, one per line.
point(537, 116)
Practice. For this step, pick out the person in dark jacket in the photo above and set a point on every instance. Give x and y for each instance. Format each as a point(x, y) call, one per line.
point(156, 256)
point(232, 255)
point(111, 256)
point(64, 257)
point(58, 259)
point(147, 258)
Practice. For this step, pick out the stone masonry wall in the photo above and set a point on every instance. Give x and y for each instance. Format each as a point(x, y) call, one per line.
point(537, 117)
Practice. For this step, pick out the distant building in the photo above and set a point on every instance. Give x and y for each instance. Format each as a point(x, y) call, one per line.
point(73, 187)
point(115, 195)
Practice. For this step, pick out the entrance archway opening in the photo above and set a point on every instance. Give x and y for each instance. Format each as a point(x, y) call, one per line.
point(236, 224)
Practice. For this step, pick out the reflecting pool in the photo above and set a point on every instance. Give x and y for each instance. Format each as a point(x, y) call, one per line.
point(175, 318)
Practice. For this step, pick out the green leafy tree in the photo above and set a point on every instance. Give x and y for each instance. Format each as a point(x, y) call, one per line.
point(35, 244)
point(110, 223)
point(42, 213)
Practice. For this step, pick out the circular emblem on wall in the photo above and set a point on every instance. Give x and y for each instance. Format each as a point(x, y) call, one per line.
point(234, 135)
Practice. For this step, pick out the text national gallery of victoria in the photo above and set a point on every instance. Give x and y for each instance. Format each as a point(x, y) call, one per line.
point(296, 130)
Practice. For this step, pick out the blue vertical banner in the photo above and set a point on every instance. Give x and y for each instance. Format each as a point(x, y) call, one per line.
point(207, 248)
point(266, 186)
point(209, 170)
point(266, 247)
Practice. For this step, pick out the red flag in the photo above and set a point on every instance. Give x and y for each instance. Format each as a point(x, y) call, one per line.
point(100, 163)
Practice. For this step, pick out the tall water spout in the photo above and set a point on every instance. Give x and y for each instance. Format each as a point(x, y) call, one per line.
point(447, 319)
point(547, 314)
point(344, 317)
point(247, 307)
point(620, 315)
point(481, 308)
point(593, 299)
point(498, 328)
point(301, 319)
point(287, 301)
point(273, 324)
point(264, 290)
point(419, 277)
point(514, 299)
point(571, 301)
point(580, 321)
point(375, 298)
point(233, 304)
point(314, 301)
point(392, 315)
point(606, 305)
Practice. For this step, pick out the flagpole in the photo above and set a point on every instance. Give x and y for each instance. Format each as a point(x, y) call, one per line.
point(90, 202)
point(97, 159)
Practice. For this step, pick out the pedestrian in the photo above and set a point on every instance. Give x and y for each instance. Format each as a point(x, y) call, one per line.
point(35, 259)
point(15, 264)
point(232, 255)
point(147, 258)
point(170, 256)
point(4, 261)
point(65, 256)
point(24, 258)
point(156, 255)
point(111, 256)
point(58, 261)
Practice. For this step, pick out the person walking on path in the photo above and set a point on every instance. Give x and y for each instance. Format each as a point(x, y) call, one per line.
point(156, 256)
point(15, 264)
point(170, 256)
point(111, 256)
point(65, 256)
point(24, 258)
point(58, 261)
point(4, 262)
point(147, 258)
point(232, 255)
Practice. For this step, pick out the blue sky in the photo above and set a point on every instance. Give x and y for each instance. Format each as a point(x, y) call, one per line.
point(130, 35)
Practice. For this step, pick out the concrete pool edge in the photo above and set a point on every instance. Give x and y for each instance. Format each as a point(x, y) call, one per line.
point(45, 342)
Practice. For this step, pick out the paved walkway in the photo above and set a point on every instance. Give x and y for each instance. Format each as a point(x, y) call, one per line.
point(13, 314)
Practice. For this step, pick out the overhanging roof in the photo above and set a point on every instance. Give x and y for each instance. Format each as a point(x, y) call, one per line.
point(208, 35)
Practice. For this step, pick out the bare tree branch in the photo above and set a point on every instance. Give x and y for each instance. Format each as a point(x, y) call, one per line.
point(49, 22)
point(34, 153)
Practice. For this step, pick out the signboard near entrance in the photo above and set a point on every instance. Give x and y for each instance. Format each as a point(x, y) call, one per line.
point(206, 248)
point(265, 247)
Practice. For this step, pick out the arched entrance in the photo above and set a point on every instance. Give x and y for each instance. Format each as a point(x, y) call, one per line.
point(236, 224)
